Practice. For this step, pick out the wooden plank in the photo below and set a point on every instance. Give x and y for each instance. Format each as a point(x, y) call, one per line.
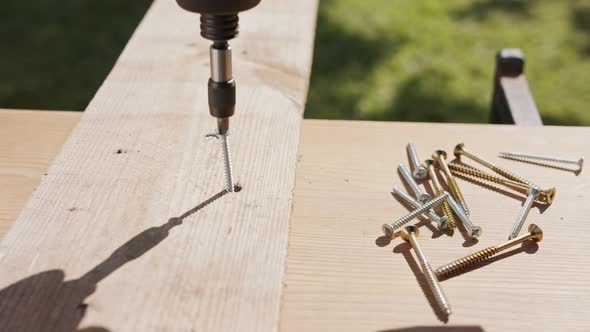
point(129, 232)
point(29, 140)
point(343, 276)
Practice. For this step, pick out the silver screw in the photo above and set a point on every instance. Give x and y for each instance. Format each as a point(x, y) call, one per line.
point(389, 229)
point(409, 234)
point(229, 178)
point(418, 171)
point(524, 212)
point(520, 155)
point(420, 195)
point(443, 222)
point(474, 231)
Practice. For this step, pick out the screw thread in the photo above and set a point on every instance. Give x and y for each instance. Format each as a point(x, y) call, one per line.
point(524, 212)
point(437, 291)
point(448, 212)
point(457, 193)
point(518, 155)
point(512, 176)
point(465, 262)
point(417, 204)
point(468, 170)
point(228, 167)
point(404, 220)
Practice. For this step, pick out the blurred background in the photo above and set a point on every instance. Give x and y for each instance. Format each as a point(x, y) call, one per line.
point(426, 60)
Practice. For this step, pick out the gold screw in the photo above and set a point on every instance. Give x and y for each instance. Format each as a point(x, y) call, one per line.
point(409, 234)
point(440, 156)
point(446, 207)
point(460, 151)
point(548, 194)
point(535, 233)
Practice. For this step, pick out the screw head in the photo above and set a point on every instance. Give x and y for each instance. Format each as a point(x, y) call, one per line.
point(406, 231)
point(475, 232)
point(444, 223)
point(438, 154)
point(536, 232)
point(387, 230)
point(458, 150)
point(581, 163)
point(424, 198)
point(420, 173)
point(427, 162)
point(549, 194)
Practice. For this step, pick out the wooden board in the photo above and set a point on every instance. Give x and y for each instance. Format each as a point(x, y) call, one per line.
point(342, 275)
point(29, 140)
point(129, 231)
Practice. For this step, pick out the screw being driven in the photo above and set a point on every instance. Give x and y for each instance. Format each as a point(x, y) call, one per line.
point(535, 233)
point(418, 171)
point(440, 156)
point(389, 229)
point(524, 212)
point(409, 234)
point(460, 151)
point(547, 194)
point(446, 208)
point(520, 155)
point(443, 222)
point(420, 195)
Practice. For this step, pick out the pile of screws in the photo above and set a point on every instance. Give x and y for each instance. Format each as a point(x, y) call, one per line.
point(453, 204)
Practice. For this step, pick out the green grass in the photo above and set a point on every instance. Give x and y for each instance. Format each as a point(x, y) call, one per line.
point(427, 60)
point(433, 60)
point(56, 54)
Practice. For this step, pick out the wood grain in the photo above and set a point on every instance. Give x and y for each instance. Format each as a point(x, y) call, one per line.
point(129, 230)
point(343, 276)
point(29, 140)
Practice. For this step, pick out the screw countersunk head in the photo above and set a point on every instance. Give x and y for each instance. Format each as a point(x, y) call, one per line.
point(475, 232)
point(406, 231)
point(581, 163)
point(536, 231)
point(458, 150)
point(436, 155)
point(387, 230)
point(420, 173)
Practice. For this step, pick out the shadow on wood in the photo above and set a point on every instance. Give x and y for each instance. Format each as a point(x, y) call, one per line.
point(46, 302)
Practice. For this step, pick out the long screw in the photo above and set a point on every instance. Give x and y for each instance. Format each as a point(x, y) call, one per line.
point(446, 208)
point(524, 212)
point(548, 194)
point(460, 151)
point(389, 229)
point(409, 234)
point(227, 161)
point(440, 156)
point(418, 171)
point(473, 231)
point(520, 155)
point(535, 233)
point(443, 222)
point(420, 195)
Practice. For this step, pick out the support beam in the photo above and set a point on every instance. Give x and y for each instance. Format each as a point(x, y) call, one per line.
point(512, 101)
point(129, 231)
